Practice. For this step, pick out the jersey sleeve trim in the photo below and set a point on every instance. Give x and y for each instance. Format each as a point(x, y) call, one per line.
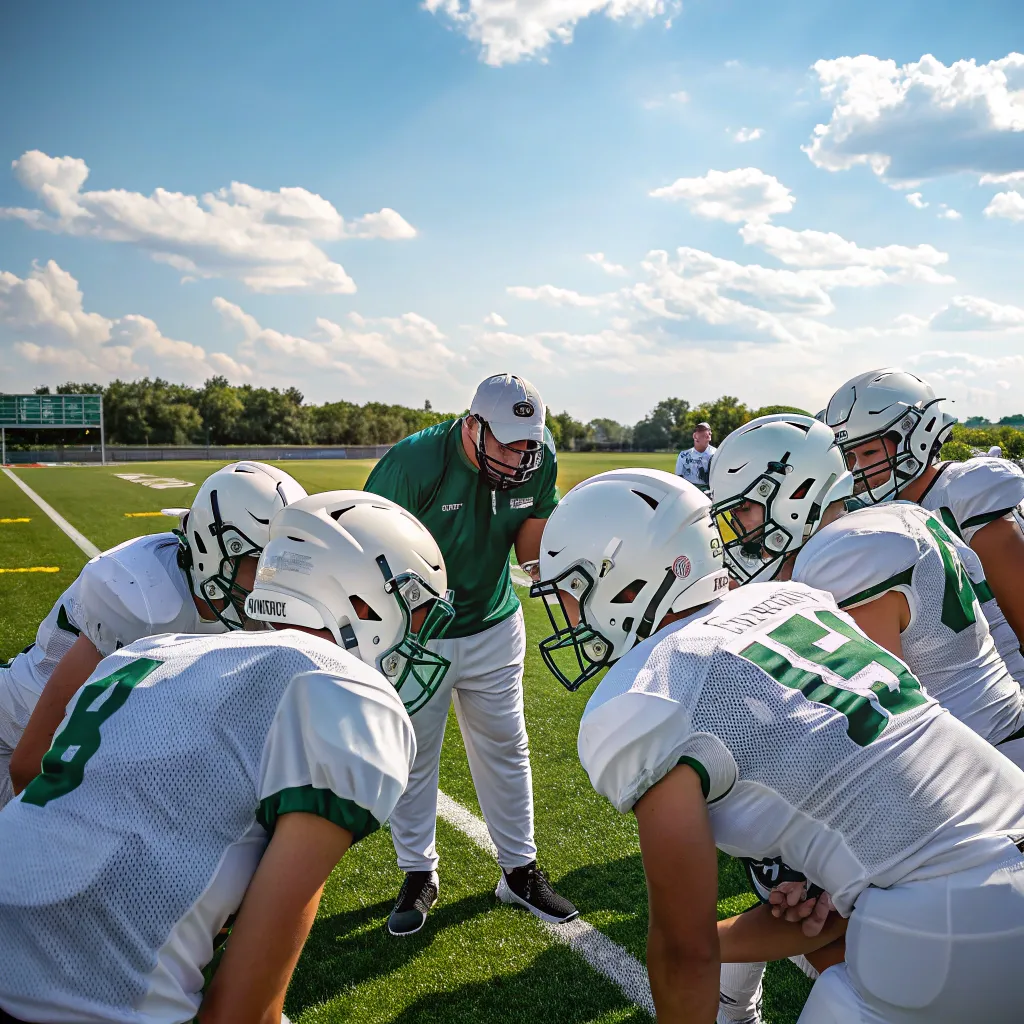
point(947, 517)
point(901, 579)
point(65, 623)
point(986, 517)
point(983, 591)
point(322, 802)
point(702, 773)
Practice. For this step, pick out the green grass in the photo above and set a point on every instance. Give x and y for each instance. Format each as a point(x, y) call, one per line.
point(475, 961)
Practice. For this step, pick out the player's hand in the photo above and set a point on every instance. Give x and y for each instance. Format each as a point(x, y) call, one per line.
point(789, 901)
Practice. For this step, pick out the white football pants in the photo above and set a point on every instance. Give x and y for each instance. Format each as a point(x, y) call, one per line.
point(485, 682)
point(947, 950)
point(740, 990)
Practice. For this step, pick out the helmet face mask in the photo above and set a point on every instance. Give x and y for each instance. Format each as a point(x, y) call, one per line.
point(408, 664)
point(753, 551)
point(576, 653)
point(511, 467)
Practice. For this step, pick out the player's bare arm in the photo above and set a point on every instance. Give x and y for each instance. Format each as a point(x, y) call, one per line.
point(884, 619)
point(759, 935)
point(682, 945)
point(71, 672)
point(527, 545)
point(274, 921)
point(1000, 546)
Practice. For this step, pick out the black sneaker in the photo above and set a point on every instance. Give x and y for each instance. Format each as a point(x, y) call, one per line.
point(529, 887)
point(418, 894)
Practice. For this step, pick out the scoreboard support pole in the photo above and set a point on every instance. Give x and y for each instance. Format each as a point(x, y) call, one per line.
point(3, 446)
point(103, 438)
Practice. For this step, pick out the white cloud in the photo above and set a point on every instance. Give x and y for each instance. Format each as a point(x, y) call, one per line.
point(680, 97)
point(828, 249)
point(1008, 205)
point(509, 30)
point(748, 134)
point(409, 345)
point(948, 213)
point(552, 296)
point(268, 240)
point(43, 322)
point(495, 320)
point(917, 121)
point(1012, 178)
point(599, 260)
point(971, 313)
point(743, 194)
point(915, 199)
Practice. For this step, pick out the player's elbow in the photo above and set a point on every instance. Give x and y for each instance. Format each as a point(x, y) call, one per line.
point(678, 949)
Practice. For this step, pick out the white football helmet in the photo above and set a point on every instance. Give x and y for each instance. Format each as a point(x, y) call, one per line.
point(228, 521)
point(629, 546)
point(894, 404)
point(790, 465)
point(360, 566)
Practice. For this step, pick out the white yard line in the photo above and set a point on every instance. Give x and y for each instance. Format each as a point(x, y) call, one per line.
point(61, 523)
point(604, 955)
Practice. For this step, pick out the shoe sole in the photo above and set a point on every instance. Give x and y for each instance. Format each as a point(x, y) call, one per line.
point(402, 935)
point(506, 895)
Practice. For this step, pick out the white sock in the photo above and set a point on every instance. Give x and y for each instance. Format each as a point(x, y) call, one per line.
point(805, 965)
point(740, 994)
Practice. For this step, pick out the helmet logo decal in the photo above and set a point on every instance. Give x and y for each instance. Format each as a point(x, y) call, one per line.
point(524, 409)
point(681, 567)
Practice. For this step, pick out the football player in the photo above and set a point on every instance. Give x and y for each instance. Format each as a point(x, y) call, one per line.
point(766, 723)
point(196, 776)
point(908, 581)
point(191, 580)
point(891, 425)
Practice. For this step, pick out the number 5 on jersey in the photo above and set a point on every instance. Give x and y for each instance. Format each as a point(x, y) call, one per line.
point(64, 763)
point(844, 655)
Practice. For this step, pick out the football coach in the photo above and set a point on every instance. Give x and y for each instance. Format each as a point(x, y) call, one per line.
point(481, 484)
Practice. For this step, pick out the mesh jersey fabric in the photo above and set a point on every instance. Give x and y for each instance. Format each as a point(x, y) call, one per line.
point(790, 775)
point(947, 644)
point(131, 591)
point(139, 866)
point(976, 492)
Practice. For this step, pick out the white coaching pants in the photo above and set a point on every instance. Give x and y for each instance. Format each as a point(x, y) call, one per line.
point(486, 683)
point(948, 950)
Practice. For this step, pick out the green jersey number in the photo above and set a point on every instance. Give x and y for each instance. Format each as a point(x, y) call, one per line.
point(64, 763)
point(959, 592)
point(841, 652)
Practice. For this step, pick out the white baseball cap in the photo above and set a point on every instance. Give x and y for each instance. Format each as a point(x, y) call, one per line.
point(511, 407)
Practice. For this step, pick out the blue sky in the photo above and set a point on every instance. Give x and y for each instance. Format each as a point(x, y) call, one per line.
point(619, 199)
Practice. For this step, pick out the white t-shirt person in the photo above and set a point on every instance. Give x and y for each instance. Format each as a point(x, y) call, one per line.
point(694, 464)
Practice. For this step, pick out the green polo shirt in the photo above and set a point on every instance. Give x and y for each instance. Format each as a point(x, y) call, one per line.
point(430, 474)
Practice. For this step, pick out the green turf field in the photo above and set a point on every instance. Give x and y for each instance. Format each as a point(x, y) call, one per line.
point(476, 961)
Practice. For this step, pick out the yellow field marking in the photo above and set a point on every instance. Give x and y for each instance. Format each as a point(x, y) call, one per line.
point(15, 520)
point(141, 515)
point(35, 568)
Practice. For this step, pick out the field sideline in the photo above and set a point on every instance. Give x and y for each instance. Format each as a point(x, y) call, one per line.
point(476, 961)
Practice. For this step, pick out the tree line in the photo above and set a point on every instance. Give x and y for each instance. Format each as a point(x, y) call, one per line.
point(156, 412)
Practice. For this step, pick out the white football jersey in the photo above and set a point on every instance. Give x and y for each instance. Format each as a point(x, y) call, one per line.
point(131, 591)
point(976, 492)
point(947, 644)
point(811, 742)
point(127, 855)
